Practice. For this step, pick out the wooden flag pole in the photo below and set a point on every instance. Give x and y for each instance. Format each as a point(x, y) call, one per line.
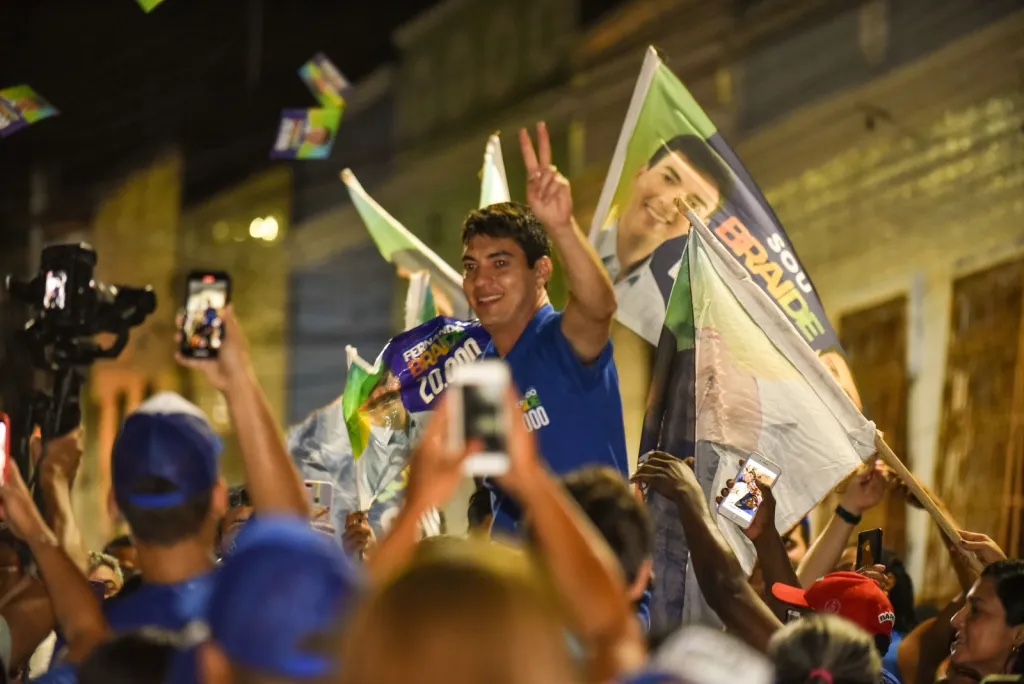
point(940, 518)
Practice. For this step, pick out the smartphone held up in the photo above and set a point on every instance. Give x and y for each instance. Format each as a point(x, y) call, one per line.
point(202, 332)
point(478, 412)
point(741, 503)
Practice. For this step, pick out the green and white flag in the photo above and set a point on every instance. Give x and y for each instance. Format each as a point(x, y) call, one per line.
point(733, 372)
point(493, 181)
point(400, 247)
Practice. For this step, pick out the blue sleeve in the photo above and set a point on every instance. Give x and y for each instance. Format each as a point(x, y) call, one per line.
point(61, 674)
point(585, 376)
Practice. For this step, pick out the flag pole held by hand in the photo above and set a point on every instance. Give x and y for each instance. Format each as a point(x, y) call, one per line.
point(940, 518)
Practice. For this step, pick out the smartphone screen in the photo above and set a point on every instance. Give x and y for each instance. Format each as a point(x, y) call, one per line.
point(741, 503)
point(203, 329)
point(869, 548)
point(55, 297)
point(478, 413)
point(321, 497)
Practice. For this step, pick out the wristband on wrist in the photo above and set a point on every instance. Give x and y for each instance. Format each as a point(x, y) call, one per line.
point(847, 517)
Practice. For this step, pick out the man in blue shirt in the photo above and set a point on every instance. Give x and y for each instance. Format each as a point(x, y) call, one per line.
point(561, 362)
point(278, 603)
point(166, 479)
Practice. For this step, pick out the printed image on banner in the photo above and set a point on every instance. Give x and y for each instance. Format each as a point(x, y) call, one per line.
point(324, 80)
point(306, 134)
point(669, 148)
point(21, 106)
point(422, 359)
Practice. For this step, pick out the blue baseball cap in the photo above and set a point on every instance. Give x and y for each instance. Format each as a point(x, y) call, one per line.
point(283, 583)
point(169, 438)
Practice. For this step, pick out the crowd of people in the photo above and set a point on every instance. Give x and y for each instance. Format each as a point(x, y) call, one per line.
point(551, 583)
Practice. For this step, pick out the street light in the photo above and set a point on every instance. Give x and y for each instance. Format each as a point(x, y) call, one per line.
point(266, 229)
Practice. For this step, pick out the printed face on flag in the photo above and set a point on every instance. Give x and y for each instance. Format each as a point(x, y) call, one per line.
point(325, 82)
point(669, 148)
point(306, 134)
point(11, 120)
point(21, 106)
point(648, 218)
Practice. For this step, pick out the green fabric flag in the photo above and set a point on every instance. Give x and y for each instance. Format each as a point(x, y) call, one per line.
point(403, 249)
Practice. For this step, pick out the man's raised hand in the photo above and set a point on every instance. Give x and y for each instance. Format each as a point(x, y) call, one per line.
point(547, 191)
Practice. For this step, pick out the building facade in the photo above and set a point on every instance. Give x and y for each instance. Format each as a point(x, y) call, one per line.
point(886, 133)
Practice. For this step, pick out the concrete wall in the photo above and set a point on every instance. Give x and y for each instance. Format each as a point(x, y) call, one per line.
point(931, 194)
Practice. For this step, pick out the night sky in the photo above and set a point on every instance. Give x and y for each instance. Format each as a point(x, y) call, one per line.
point(127, 82)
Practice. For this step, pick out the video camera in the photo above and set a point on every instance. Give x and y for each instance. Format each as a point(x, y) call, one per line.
point(69, 307)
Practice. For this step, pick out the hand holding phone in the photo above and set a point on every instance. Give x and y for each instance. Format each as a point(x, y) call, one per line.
point(740, 505)
point(478, 411)
point(321, 499)
point(869, 548)
point(202, 331)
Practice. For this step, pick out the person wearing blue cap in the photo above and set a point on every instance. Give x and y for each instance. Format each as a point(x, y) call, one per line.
point(166, 480)
point(278, 603)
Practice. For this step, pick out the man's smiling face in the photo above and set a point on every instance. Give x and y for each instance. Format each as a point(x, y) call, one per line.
point(650, 210)
point(499, 284)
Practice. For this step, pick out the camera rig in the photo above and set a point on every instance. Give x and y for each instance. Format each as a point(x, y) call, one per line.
point(69, 308)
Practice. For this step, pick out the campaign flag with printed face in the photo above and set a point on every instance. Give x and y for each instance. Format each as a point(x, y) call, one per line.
point(493, 181)
point(306, 134)
point(21, 106)
point(669, 148)
point(323, 79)
point(733, 377)
point(400, 247)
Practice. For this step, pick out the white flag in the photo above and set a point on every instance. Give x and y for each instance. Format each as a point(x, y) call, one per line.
point(493, 181)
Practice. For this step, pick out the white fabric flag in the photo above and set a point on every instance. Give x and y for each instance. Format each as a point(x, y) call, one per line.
point(759, 387)
point(493, 181)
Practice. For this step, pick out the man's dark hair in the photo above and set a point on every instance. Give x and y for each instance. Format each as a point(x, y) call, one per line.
point(509, 220)
point(165, 526)
point(902, 594)
point(479, 508)
point(622, 520)
point(130, 658)
point(698, 154)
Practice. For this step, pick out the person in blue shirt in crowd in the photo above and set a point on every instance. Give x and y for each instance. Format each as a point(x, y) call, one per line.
point(561, 362)
point(166, 481)
point(277, 605)
point(625, 524)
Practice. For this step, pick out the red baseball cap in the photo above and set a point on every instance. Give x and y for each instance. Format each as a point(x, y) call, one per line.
point(849, 595)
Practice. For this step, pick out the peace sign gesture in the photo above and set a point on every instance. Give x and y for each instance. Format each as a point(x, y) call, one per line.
point(547, 191)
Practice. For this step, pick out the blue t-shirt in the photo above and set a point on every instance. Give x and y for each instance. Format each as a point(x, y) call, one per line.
point(643, 611)
point(890, 662)
point(166, 606)
point(574, 409)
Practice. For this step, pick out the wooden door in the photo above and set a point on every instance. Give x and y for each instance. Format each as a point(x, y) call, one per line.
point(978, 469)
point(875, 341)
